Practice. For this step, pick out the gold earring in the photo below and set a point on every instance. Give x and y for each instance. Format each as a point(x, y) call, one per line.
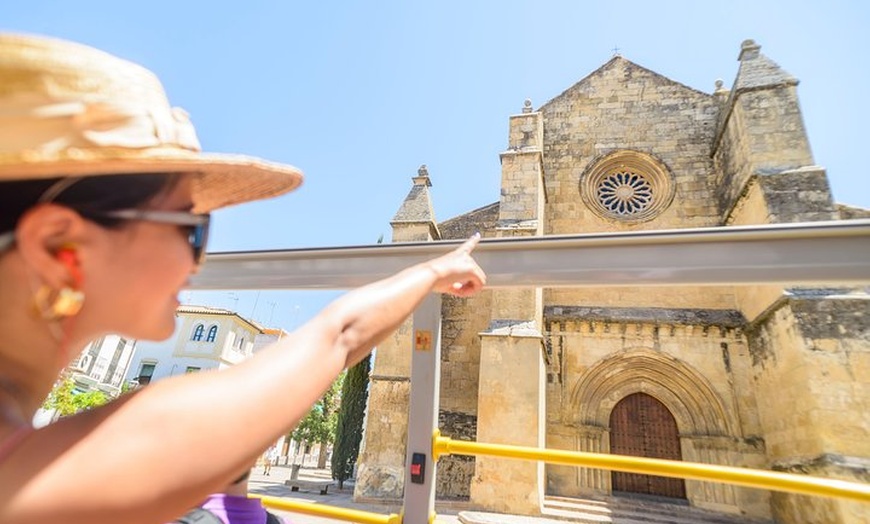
point(54, 305)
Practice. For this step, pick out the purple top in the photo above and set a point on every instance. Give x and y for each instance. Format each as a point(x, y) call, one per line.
point(233, 509)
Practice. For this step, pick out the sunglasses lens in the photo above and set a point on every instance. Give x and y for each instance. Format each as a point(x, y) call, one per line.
point(195, 240)
point(195, 225)
point(198, 238)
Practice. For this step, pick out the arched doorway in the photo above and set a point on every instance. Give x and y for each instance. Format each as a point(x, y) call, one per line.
point(642, 426)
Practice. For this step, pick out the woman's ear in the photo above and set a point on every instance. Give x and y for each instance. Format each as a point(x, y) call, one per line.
point(40, 235)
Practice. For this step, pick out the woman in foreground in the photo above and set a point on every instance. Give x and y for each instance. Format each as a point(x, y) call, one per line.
point(104, 197)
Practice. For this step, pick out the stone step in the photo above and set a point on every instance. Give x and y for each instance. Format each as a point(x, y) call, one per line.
point(616, 510)
point(625, 510)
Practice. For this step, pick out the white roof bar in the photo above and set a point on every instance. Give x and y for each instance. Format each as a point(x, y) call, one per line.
point(817, 253)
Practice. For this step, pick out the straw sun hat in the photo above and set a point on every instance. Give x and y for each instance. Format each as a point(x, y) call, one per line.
point(71, 110)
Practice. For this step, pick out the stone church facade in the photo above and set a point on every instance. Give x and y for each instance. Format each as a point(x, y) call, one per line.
point(758, 376)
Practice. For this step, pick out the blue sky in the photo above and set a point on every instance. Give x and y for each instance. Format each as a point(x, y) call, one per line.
point(359, 94)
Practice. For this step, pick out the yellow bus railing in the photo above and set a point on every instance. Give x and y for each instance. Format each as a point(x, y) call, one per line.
point(676, 257)
point(753, 478)
point(323, 510)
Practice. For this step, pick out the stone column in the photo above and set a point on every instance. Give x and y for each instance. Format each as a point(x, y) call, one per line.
point(510, 411)
point(511, 396)
point(381, 472)
point(593, 439)
point(766, 98)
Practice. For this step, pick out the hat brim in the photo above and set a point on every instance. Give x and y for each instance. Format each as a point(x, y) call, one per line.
point(222, 179)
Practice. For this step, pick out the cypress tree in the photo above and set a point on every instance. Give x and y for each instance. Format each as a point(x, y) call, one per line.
point(348, 429)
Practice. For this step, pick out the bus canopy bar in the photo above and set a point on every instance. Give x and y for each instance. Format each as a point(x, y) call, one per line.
point(752, 478)
point(830, 253)
point(326, 511)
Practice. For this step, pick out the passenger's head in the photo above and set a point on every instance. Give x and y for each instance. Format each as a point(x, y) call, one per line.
point(133, 263)
point(239, 485)
point(104, 189)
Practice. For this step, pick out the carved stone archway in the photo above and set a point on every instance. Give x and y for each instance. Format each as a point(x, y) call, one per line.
point(689, 396)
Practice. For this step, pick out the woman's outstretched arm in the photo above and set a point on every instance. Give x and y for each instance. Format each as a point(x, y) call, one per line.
point(153, 454)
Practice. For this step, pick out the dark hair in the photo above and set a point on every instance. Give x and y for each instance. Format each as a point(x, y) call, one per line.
point(90, 196)
point(243, 478)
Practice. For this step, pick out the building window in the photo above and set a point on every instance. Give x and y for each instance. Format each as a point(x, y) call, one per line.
point(197, 333)
point(191, 369)
point(99, 368)
point(146, 371)
point(212, 333)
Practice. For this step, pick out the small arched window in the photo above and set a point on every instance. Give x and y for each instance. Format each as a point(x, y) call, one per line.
point(197, 332)
point(212, 333)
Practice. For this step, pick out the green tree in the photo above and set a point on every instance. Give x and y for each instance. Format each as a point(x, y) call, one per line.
point(66, 400)
point(349, 426)
point(318, 425)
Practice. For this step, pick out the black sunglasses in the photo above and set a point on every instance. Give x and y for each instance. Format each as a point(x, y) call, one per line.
point(197, 225)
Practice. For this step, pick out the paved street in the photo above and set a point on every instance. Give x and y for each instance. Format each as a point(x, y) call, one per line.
point(556, 510)
point(273, 486)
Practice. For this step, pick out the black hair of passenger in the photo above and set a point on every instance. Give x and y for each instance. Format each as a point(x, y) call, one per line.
point(90, 196)
point(243, 477)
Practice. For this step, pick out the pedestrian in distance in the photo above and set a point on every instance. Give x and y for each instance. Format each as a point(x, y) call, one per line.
point(270, 457)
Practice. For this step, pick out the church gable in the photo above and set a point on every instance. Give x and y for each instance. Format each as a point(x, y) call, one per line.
point(613, 69)
point(623, 107)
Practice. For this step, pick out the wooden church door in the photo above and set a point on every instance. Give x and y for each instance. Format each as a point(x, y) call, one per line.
point(642, 426)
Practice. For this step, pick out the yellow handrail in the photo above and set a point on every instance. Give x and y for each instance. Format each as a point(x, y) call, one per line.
point(324, 510)
point(666, 468)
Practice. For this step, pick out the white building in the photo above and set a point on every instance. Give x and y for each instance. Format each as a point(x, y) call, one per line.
point(204, 338)
point(103, 364)
point(268, 337)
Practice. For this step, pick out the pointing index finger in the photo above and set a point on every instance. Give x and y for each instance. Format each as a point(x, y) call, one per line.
point(469, 245)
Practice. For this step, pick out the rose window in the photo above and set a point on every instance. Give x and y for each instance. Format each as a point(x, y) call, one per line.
point(625, 193)
point(627, 186)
